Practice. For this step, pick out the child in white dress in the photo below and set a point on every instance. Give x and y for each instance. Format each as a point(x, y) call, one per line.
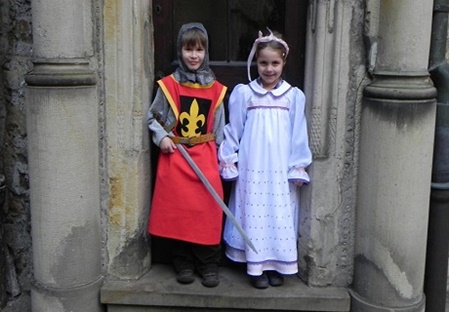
point(266, 152)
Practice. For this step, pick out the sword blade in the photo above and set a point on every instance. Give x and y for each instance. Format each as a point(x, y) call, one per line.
point(215, 195)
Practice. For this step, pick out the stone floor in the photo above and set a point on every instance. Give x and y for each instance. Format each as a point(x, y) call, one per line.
point(159, 290)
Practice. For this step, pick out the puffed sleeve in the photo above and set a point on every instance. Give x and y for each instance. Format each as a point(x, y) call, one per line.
point(228, 151)
point(300, 156)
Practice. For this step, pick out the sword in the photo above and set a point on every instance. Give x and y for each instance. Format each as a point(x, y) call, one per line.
point(215, 195)
point(205, 181)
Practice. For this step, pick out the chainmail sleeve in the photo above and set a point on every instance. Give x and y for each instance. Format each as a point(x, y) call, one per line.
point(219, 123)
point(160, 118)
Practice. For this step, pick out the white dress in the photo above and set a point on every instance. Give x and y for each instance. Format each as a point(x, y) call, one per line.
point(266, 138)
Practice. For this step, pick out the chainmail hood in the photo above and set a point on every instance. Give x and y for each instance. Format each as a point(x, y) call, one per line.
point(203, 75)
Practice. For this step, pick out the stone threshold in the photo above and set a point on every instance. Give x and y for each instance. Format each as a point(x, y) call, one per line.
point(159, 291)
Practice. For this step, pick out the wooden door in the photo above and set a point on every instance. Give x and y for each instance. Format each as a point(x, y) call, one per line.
point(232, 25)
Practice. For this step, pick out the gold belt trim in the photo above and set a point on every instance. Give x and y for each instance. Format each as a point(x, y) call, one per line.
point(193, 140)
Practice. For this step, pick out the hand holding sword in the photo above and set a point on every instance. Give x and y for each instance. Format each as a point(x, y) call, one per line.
point(167, 146)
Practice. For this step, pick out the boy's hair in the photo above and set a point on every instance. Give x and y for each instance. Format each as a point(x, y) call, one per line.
point(194, 37)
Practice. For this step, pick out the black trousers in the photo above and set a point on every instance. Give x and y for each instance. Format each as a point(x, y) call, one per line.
point(203, 258)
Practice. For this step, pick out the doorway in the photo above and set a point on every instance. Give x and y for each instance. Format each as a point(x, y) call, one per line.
point(232, 27)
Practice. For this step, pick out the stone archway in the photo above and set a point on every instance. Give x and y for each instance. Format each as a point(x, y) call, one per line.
point(334, 45)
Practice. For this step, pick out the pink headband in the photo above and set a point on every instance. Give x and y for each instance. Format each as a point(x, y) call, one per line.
point(261, 39)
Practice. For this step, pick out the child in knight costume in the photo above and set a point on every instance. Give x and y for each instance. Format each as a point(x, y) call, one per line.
point(188, 110)
point(266, 152)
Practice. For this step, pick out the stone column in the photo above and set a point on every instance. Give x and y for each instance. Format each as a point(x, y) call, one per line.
point(128, 61)
point(396, 144)
point(63, 147)
point(335, 70)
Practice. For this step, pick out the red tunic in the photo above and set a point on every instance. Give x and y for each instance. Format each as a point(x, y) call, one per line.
point(182, 207)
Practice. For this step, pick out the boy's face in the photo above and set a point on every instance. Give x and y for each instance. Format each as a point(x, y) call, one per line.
point(193, 56)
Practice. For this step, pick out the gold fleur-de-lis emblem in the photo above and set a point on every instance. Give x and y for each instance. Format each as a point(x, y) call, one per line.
point(192, 120)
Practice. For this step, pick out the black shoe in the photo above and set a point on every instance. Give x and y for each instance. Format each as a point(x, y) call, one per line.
point(185, 277)
point(260, 281)
point(275, 278)
point(210, 279)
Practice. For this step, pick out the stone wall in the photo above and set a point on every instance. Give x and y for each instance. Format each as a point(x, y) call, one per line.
point(15, 61)
point(447, 43)
point(447, 58)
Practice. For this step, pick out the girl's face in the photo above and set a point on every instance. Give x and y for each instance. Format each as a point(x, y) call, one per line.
point(270, 64)
point(193, 56)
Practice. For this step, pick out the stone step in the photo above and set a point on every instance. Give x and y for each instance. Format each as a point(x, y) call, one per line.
point(159, 291)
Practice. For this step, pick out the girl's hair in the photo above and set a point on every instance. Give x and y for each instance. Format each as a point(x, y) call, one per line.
point(194, 37)
point(262, 42)
point(275, 45)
